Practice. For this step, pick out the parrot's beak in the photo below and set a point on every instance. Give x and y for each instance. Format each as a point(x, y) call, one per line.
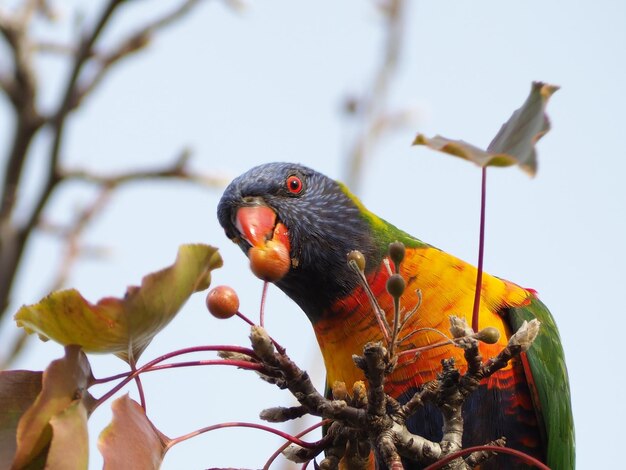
point(259, 223)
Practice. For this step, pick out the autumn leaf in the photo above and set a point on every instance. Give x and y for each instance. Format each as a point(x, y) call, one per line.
point(69, 449)
point(515, 142)
point(18, 391)
point(123, 326)
point(64, 383)
point(131, 437)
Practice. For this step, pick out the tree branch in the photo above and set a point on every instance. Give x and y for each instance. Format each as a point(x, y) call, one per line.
point(373, 420)
point(371, 109)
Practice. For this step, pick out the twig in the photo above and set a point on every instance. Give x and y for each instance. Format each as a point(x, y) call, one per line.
point(128, 46)
point(374, 119)
point(178, 169)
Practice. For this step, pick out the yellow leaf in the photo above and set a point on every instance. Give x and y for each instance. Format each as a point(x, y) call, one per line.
point(123, 326)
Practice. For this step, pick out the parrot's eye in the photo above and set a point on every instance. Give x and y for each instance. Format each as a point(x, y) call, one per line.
point(294, 184)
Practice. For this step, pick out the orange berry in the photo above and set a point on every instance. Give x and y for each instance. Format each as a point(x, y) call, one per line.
point(222, 302)
point(269, 262)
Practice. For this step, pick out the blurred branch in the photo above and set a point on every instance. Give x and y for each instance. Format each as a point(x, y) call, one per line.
point(176, 170)
point(72, 235)
point(371, 109)
point(134, 43)
point(20, 84)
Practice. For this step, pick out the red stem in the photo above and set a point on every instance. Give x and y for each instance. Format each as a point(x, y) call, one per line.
point(501, 450)
point(180, 352)
point(128, 376)
point(142, 396)
point(273, 457)
point(481, 250)
point(278, 347)
point(209, 362)
point(278, 432)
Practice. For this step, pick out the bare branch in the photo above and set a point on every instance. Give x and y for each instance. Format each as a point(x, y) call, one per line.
point(371, 109)
point(176, 170)
point(20, 85)
point(134, 43)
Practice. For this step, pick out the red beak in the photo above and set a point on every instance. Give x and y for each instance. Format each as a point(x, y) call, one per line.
point(258, 224)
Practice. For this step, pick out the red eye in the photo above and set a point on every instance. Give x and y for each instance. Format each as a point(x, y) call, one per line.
point(294, 184)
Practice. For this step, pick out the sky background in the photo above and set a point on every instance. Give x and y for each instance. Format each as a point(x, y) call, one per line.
point(267, 84)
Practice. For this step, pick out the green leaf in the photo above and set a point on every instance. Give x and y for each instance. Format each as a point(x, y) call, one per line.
point(123, 326)
point(69, 449)
point(18, 391)
point(515, 142)
point(131, 437)
point(64, 381)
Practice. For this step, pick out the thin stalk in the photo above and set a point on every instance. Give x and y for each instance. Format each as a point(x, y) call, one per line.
point(179, 352)
point(379, 313)
point(284, 435)
point(488, 448)
point(273, 457)
point(481, 250)
point(262, 309)
point(134, 374)
point(396, 326)
point(278, 347)
point(137, 379)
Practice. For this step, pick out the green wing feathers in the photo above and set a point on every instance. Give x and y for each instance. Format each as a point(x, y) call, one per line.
point(547, 377)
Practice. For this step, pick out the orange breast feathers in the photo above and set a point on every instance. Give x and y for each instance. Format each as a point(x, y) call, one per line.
point(447, 287)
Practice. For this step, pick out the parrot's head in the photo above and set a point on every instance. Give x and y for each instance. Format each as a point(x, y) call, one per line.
point(322, 222)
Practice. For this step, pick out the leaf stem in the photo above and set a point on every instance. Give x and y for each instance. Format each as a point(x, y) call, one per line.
point(481, 250)
point(239, 424)
point(142, 395)
point(273, 457)
point(128, 376)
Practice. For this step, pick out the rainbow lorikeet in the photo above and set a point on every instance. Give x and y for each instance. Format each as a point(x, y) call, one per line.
point(320, 221)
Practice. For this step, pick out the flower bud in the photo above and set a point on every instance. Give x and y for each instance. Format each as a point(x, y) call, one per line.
point(395, 285)
point(396, 252)
point(358, 258)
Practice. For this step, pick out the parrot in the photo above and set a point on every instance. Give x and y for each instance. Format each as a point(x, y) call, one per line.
point(319, 221)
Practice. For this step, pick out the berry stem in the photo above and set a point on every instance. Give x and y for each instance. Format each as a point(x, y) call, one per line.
point(251, 323)
point(262, 310)
point(481, 250)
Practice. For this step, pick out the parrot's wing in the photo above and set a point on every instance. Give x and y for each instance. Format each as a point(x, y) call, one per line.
point(544, 365)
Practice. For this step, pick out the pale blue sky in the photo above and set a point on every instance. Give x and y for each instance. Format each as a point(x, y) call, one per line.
point(267, 84)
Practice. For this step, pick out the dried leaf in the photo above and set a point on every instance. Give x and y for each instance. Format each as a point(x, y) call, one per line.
point(64, 381)
point(123, 326)
point(515, 142)
point(18, 391)
point(131, 437)
point(69, 449)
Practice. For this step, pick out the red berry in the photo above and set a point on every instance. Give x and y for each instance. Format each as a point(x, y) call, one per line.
point(270, 262)
point(222, 302)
